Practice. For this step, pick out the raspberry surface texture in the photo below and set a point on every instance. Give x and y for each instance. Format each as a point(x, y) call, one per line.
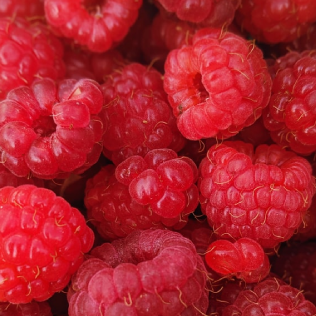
point(155, 191)
point(152, 272)
point(28, 51)
point(22, 8)
point(261, 194)
point(98, 25)
point(216, 86)
point(275, 21)
point(136, 115)
point(51, 129)
point(29, 309)
point(43, 240)
point(290, 116)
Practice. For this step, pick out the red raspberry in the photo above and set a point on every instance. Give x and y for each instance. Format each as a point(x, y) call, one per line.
point(99, 26)
point(151, 272)
point(270, 297)
point(136, 115)
point(290, 116)
point(261, 194)
point(295, 264)
point(218, 66)
point(22, 8)
point(275, 21)
point(49, 130)
point(157, 190)
point(30, 309)
point(213, 13)
point(28, 51)
point(43, 240)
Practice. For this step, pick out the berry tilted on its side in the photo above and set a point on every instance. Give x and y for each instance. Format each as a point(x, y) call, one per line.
point(261, 194)
point(43, 240)
point(216, 86)
point(151, 272)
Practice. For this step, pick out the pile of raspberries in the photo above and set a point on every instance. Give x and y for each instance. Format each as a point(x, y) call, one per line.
point(158, 158)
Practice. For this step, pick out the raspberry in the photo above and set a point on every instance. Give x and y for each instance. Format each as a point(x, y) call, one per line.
point(275, 21)
point(295, 265)
point(95, 24)
point(136, 115)
point(28, 51)
point(290, 115)
point(211, 13)
point(51, 129)
point(270, 297)
point(155, 191)
point(30, 309)
point(217, 66)
point(261, 194)
point(152, 272)
point(43, 240)
point(22, 8)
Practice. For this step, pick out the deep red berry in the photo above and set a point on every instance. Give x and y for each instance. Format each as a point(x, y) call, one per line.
point(28, 51)
point(50, 129)
point(152, 272)
point(98, 26)
point(216, 86)
point(29, 309)
point(22, 8)
point(136, 116)
point(275, 21)
point(261, 194)
point(43, 240)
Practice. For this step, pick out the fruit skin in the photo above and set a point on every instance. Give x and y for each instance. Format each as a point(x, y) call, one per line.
point(98, 27)
point(30, 309)
point(22, 8)
point(270, 297)
point(49, 130)
point(276, 21)
point(43, 240)
point(217, 66)
point(136, 116)
point(150, 272)
point(118, 203)
point(28, 51)
point(290, 115)
point(261, 194)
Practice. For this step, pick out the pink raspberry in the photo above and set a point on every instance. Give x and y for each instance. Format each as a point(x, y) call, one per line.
point(295, 264)
point(275, 21)
point(22, 8)
point(213, 13)
point(261, 194)
point(49, 129)
point(217, 66)
point(29, 309)
point(43, 240)
point(270, 297)
point(28, 51)
point(155, 191)
point(151, 272)
point(136, 115)
point(97, 26)
point(290, 115)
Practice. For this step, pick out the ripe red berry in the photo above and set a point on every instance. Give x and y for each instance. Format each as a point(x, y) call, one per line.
point(43, 240)
point(261, 194)
point(97, 26)
point(22, 8)
point(51, 129)
point(29, 309)
point(216, 86)
point(28, 51)
point(152, 272)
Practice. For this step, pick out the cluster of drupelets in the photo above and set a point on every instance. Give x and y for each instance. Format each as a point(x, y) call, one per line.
point(157, 158)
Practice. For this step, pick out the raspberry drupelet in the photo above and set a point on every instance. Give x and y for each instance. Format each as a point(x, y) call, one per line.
point(261, 194)
point(28, 51)
point(136, 116)
point(29, 309)
point(276, 21)
point(151, 272)
point(98, 25)
point(49, 130)
point(43, 240)
point(216, 86)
